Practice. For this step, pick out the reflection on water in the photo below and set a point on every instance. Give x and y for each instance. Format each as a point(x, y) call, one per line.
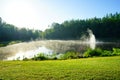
point(29, 54)
point(29, 49)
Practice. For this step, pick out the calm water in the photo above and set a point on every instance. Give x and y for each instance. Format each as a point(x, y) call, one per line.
point(29, 49)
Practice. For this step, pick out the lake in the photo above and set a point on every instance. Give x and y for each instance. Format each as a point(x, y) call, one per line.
point(29, 49)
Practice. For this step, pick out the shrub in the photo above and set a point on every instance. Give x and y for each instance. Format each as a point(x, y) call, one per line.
point(106, 53)
point(25, 59)
point(1, 45)
point(116, 51)
point(100, 52)
point(53, 56)
point(69, 55)
point(86, 53)
point(91, 53)
point(40, 56)
point(75, 55)
point(13, 42)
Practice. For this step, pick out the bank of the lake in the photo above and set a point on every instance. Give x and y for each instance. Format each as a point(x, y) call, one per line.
point(100, 68)
point(6, 43)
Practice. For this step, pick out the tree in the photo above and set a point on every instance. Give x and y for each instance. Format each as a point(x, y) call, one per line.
point(106, 27)
point(9, 32)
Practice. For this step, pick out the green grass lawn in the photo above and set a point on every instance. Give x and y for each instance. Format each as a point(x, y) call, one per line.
point(101, 68)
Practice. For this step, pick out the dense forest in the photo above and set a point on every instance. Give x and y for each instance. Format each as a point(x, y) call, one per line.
point(105, 27)
point(9, 32)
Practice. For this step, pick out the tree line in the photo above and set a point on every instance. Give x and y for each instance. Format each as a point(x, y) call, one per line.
point(105, 27)
point(9, 32)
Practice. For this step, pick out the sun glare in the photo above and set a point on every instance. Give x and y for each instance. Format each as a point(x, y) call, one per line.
point(22, 14)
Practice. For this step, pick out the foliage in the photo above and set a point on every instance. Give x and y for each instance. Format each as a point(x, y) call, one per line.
point(5, 43)
point(53, 56)
point(75, 55)
point(107, 53)
point(92, 52)
point(100, 68)
point(70, 55)
point(13, 42)
point(1, 45)
point(106, 27)
point(116, 51)
point(40, 56)
point(9, 32)
point(100, 52)
point(25, 58)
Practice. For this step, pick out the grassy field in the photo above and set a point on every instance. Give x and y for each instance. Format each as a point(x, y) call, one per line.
point(101, 68)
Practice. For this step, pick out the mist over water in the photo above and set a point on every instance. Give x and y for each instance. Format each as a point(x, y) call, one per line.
point(92, 40)
point(30, 49)
point(25, 49)
point(30, 54)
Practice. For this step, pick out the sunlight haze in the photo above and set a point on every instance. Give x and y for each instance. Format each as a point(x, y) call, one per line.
point(39, 14)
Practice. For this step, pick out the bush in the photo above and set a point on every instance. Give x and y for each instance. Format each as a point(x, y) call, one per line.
point(99, 52)
point(107, 53)
point(40, 56)
point(13, 42)
point(116, 51)
point(86, 53)
point(53, 56)
point(75, 55)
point(1, 45)
point(69, 55)
point(25, 59)
point(91, 53)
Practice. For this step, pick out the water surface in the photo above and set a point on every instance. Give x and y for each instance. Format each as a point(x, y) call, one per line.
point(29, 49)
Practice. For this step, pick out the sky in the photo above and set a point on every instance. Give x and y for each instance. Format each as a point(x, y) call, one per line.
point(40, 14)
